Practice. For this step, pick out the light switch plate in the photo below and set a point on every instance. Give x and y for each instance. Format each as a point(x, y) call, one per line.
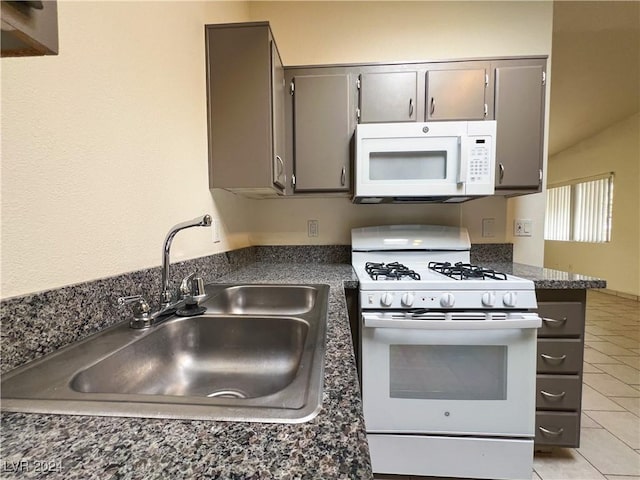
point(522, 228)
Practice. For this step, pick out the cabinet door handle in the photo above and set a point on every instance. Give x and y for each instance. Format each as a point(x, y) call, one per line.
point(343, 177)
point(551, 433)
point(501, 167)
point(551, 358)
point(280, 165)
point(410, 107)
point(553, 322)
point(433, 106)
point(553, 396)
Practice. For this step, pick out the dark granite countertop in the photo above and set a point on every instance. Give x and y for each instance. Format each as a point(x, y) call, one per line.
point(548, 278)
point(333, 445)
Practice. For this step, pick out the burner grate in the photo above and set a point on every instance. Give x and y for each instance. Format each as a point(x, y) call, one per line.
point(390, 271)
point(465, 271)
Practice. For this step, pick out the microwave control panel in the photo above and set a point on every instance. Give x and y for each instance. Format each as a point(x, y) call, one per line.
point(479, 165)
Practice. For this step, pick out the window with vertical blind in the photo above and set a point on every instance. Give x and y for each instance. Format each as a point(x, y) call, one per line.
point(580, 211)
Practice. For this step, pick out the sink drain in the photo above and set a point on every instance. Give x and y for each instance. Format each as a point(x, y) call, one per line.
point(227, 394)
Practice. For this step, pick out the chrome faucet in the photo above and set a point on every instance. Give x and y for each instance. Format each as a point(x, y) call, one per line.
point(190, 286)
point(165, 296)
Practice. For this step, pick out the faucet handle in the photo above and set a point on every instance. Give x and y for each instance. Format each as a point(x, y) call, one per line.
point(140, 307)
point(142, 317)
point(192, 286)
point(185, 285)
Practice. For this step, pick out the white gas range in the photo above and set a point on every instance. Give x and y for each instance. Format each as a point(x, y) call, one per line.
point(447, 356)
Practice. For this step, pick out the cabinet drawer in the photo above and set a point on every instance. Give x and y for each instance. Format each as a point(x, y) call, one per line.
point(559, 355)
point(558, 428)
point(561, 319)
point(558, 392)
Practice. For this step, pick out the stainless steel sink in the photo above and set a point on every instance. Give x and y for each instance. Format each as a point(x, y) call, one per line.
point(238, 357)
point(260, 299)
point(255, 355)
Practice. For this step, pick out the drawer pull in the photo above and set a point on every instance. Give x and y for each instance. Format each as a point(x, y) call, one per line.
point(551, 358)
point(554, 323)
point(551, 433)
point(553, 396)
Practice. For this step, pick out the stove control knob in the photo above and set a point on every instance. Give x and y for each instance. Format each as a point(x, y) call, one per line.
point(488, 299)
point(407, 299)
point(447, 300)
point(386, 299)
point(510, 299)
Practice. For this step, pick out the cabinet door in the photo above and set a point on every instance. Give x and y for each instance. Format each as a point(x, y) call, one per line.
point(456, 94)
point(278, 119)
point(322, 132)
point(240, 108)
point(560, 429)
point(388, 97)
point(519, 111)
point(561, 319)
point(560, 355)
point(29, 29)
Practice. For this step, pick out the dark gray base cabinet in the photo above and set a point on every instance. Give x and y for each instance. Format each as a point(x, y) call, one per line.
point(559, 367)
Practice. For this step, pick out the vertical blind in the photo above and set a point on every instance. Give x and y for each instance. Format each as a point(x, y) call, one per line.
point(580, 211)
point(557, 223)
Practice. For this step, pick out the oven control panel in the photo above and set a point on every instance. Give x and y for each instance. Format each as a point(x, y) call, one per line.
point(477, 299)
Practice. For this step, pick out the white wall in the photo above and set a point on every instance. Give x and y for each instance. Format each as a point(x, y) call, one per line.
point(104, 146)
point(616, 149)
point(309, 33)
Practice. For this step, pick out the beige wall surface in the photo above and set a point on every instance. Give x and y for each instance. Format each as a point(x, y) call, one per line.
point(616, 149)
point(309, 33)
point(104, 146)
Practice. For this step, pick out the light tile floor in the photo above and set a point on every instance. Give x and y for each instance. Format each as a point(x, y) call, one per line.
point(610, 427)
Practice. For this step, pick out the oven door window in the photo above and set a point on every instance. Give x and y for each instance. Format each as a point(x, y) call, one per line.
point(448, 372)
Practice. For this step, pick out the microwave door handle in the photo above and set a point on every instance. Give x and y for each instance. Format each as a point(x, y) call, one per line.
point(462, 172)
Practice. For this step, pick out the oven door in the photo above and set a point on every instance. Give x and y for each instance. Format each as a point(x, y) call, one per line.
point(465, 377)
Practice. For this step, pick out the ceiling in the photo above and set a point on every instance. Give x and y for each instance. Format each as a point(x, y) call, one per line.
point(595, 70)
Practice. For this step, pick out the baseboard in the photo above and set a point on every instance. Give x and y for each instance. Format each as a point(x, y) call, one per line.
point(628, 296)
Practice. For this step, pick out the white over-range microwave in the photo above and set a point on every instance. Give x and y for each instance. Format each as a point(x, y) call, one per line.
point(440, 162)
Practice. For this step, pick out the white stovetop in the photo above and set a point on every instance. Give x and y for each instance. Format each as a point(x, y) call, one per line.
point(430, 280)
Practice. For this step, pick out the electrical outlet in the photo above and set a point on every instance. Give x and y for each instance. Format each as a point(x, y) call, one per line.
point(488, 227)
point(312, 228)
point(522, 228)
point(215, 230)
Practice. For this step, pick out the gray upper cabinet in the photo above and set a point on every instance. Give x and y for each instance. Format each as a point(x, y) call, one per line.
point(246, 92)
point(388, 97)
point(284, 131)
point(323, 124)
point(519, 111)
point(278, 90)
point(457, 94)
point(29, 28)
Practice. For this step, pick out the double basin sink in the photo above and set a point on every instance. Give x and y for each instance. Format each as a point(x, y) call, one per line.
point(256, 354)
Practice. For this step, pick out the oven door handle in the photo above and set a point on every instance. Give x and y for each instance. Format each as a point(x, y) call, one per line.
point(377, 320)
